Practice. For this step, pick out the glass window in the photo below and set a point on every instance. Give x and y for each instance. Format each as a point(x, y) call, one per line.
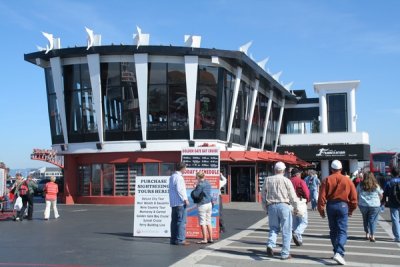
point(158, 73)
point(49, 81)
point(337, 112)
point(176, 74)
point(167, 169)
point(55, 120)
point(108, 179)
point(121, 179)
point(226, 101)
point(134, 170)
point(84, 180)
point(158, 107)
point(113, 109)
point(96, 180)
point(206, 99)
point(178, 110)
point(151, 169)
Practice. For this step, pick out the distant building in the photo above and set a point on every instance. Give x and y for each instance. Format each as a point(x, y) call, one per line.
point(47, 172)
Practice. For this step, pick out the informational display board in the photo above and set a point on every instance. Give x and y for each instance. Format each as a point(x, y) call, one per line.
point(152, 216)
point(2, 181)
point(204, 159)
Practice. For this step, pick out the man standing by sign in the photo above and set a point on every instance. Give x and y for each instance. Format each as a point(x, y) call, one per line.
point(178, 201)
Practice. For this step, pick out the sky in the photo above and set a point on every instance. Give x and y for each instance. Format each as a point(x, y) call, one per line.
point(309, 40)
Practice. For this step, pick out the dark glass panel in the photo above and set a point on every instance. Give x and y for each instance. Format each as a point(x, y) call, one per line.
point(84, 180)
point(49, 81)
point(89, 121)
point(178, 110)
point(167, 169)
point(151, 169)
point(54, 116)
point(85, 76)
point(208, 75)
point(108, 179)
point(158, 107)
point(176, 73)
point(121, 179)
point(337, 112)
point(158, 73)
point(112, 109)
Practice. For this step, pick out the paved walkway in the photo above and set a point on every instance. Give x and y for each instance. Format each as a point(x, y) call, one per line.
point(248, 247)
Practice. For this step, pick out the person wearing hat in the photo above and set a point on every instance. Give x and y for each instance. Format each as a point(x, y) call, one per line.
point(300, 222)
point(340, 197)
point(278, 199)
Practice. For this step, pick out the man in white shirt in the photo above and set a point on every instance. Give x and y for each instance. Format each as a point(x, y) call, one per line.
point(278, 199)
point(178, 201)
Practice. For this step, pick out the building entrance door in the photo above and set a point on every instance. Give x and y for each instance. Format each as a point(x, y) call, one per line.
point(243, 184)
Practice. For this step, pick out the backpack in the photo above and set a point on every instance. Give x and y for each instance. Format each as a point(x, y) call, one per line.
point(197, 199)
point(23, 189)
point(396, 193)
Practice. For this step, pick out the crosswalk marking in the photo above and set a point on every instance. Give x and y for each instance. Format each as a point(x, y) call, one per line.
point(249, 246)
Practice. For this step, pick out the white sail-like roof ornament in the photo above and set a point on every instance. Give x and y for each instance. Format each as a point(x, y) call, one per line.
point(93, 39)
point(288, 86)
point(140, 38)
point(192, 41)
point(276, 76)
point(54, 43)
point(244, 48)
point(263, 62)
point(39, 48)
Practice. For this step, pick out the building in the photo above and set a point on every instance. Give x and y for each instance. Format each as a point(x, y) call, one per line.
point(120, 111)
point(45, 173)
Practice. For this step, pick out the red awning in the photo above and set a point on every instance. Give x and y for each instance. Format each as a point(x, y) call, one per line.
point(261, 156)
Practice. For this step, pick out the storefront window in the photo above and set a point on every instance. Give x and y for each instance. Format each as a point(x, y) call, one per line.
point(151, 169)
point(96, 180)
point(337, 112)
point(84, 180)
point(167, 169)
point(134, 170)
point(226, 101)
point(108, 179)
point(121, 179)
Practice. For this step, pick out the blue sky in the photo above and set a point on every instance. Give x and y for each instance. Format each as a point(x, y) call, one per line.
point(309, 40)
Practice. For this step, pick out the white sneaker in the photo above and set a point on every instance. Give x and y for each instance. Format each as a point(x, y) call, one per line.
point(339, 259)
point(58, 216)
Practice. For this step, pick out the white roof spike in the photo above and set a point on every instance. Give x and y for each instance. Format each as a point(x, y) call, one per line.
point(276, 76)
point(140, 38)
point(50, 38)
point(288, 86)
point(262, 63)
point(244, 48)
point(39, 48)
point(90, 38)
point(192, 41)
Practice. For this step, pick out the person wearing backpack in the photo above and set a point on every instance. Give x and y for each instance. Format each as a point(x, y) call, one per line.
point(391, 199)
point(20, 189)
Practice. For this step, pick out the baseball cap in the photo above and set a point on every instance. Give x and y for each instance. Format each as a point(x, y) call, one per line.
point(280, 166)
point(337, 165)
point(295, 171)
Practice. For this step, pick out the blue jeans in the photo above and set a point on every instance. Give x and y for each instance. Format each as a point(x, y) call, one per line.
point(394, 214)
point(178, 225)
point(338, 214)
point(280, 217)
point(370, 218)
point(300, 225)
point(314, 198)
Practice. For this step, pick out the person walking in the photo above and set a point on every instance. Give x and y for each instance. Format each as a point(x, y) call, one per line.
point(277, 196)
point(32, 186)
point(339, 195)
point(369, 199)
point(15, 189)
point(51, 191)
point(391, 198)
point(299, 222)
point(202, 191)
point(313, 184)
point(222, 183)
point(178, 201)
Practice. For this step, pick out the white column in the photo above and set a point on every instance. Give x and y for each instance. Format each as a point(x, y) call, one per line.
point(352, 116)
point(234, 100)
point(353, 165)
point(141, 66)
point(56, 71)
point(323, 112)
point(278, 128)
point(271, 94)
point(191, 70)
point(253, 105)
point(324, 169)
point(94, 70)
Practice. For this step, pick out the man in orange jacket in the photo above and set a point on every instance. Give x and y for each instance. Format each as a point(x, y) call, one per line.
point(340, 197)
